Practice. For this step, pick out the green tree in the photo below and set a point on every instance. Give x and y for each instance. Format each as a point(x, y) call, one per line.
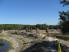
point(64, 18)
point(64, 2)
point(41, 26)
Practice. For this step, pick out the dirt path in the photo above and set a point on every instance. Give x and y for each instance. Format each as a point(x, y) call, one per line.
point(61, 41)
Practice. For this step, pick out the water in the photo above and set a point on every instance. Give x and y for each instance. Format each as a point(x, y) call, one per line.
point(5, 46)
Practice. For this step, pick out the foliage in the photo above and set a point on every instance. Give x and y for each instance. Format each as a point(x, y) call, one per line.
point(64, 2)
point(64, 18)
point(41, 26)
point(22, 27)
point(54, 27)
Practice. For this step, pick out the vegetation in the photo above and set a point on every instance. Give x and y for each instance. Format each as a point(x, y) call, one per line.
point(22, 27)
point(64, 18)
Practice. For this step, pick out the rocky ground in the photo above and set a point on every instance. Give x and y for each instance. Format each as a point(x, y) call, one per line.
point(19, 42)
point(23, 43)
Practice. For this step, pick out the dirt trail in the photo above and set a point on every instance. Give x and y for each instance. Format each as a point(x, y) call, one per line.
point(61, 41)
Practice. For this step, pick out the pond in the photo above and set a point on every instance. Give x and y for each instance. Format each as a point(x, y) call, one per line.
point(5, 45)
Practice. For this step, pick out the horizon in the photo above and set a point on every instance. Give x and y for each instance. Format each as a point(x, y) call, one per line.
point(27, 24)
point(30, 12)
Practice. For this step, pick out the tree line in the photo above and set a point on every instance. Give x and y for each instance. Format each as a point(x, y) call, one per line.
point(22, 27)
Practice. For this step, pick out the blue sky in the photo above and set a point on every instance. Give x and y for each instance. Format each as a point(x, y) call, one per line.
point(30, 11)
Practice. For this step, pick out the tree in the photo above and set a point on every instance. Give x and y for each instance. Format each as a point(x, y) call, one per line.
point(64, 2)
point(64, 18)
point(41, 26)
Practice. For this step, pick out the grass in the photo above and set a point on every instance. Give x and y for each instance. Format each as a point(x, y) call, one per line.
point(7, 41)
point(1, 44)
point(1, 35)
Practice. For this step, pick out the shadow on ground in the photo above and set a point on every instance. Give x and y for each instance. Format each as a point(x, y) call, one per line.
point(46, 46)
point(62, 37)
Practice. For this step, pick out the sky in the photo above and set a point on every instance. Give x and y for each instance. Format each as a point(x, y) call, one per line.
point(30, 11)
